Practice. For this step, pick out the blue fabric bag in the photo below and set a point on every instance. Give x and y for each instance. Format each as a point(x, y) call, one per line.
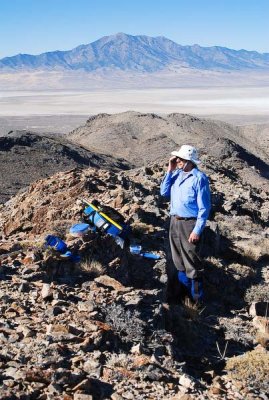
point(101, 221)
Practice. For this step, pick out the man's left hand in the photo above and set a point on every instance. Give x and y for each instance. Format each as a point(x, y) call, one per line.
point(194, 238)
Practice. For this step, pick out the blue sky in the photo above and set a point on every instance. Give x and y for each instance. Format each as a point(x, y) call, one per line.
point(36, 26)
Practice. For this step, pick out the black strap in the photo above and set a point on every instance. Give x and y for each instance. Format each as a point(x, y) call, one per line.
point(88, 216)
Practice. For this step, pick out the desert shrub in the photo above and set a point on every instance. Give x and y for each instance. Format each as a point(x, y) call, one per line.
point(251, 369)
point(32, 245)
point(254, 249)
point(92, 267)
point(120, 366)
point(264, 244)
point(241, 271)
point(115, 360)
point(60, 228)
point(234, 330)
point(126, 324)
point(257, 293)
point(140, 228)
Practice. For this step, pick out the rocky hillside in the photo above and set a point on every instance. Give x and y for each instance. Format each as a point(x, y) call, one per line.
point(101, 329)
point(142, 138)
point(120, 141)
point(139, 53)
point(258, 133)
point(27, 156)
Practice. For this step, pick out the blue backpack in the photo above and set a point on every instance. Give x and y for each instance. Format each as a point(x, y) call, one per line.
point(102, 222)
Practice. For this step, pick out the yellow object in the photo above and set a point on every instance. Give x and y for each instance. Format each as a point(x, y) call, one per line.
point(103, 215)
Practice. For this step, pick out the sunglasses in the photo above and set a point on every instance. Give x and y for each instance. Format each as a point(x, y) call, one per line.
point(180, 159)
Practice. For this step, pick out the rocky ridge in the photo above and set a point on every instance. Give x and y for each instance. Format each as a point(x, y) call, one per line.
point(143, 138)
point(131, 134)
point(124, 140)
point(102, 329)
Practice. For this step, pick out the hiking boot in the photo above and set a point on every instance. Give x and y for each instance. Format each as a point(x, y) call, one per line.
point(184, 280)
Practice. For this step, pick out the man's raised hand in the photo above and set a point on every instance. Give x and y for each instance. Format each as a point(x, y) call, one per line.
point(172, 164)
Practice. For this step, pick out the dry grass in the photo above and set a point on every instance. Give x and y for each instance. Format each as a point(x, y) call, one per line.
point(92, 267)
point(120, 366)
point(263, 339)
point(192, 310)
point(254, 249)
point(240, 271)
point(140, 228)
point(119, 360)
point(32, 245)
point(250, 369)
point(59, 228)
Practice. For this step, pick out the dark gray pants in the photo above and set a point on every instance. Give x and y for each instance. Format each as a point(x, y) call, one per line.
point(185, 255)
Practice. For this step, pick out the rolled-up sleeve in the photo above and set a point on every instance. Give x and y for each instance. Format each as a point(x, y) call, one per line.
point(203, 203)
point(166, 185)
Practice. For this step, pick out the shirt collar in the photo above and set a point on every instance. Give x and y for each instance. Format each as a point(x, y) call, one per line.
point(194, 171)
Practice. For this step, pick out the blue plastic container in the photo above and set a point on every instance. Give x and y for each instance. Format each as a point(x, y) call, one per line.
point(79, 230)
point(135, 249)
point(57, 243)
point(150, 255)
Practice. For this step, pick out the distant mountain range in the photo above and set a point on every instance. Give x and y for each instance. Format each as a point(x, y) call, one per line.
point(138, 53)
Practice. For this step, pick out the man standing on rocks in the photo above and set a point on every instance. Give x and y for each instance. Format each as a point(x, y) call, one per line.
point(189, 193)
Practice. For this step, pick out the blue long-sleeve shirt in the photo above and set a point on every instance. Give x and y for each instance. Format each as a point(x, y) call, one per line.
point(189, 194)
